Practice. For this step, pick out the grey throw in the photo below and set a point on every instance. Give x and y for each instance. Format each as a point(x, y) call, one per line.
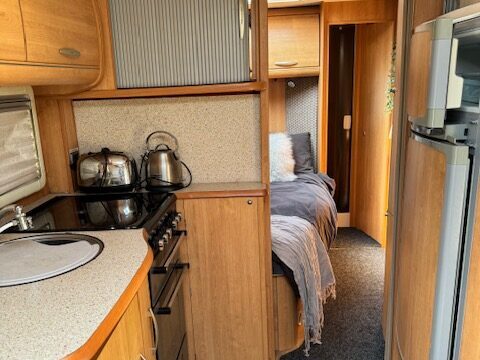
point(298, 244)
point(308, 197)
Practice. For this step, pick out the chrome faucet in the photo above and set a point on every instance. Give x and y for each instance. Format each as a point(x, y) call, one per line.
point(21, 220)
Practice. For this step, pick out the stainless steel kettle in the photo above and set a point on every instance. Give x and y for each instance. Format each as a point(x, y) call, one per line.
point(163, 164)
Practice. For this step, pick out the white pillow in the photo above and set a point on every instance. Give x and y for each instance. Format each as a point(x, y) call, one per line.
point(282, 162)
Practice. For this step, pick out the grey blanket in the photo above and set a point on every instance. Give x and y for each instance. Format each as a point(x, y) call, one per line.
point(297, 243)
point(308, 197)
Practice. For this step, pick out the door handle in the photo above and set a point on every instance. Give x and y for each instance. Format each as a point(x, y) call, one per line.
point(286, 63)
point(155, 328)
point(347, 122)
point(69, 52)
point(241, 17)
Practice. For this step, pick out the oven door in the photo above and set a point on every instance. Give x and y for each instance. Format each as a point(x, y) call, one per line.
point(169, 314)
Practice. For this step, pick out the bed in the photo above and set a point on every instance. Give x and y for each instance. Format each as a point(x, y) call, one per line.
point(304, 225)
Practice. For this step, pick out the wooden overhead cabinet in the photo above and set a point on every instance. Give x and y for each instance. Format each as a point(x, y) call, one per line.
point(49, 42)
point(294, 44)
point(60, 32)
point(12, 45)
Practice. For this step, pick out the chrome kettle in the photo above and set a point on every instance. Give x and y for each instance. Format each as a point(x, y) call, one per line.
point(163, 164)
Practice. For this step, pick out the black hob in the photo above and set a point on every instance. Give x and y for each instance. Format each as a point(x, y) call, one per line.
point(95, 212)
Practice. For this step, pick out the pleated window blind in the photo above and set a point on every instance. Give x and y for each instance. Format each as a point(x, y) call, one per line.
point(19, 160)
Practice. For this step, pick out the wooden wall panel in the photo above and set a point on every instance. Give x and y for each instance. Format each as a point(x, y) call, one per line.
point(426, 10)
point(58, 135)
point(276, 105)
point(370, 11)
point(370, 130)
point(108, 80)
point(395, 176)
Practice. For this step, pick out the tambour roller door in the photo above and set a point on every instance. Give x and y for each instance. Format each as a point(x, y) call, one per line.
point(180, 42)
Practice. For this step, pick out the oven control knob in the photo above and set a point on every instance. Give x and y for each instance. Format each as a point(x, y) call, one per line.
point(174, 224)
point(169, 233)
point(165, 238)
point(161, 245)
point(178, 217)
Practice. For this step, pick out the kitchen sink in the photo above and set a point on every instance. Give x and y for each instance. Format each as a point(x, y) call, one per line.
point(33, 258)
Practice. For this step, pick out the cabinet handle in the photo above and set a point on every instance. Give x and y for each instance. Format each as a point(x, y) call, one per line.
point(241, 17)
point(68, 52)
point(286, 63)
point(142, 357)
point(155, 328)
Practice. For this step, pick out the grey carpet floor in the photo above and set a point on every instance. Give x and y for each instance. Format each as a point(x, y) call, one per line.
point(353, 320)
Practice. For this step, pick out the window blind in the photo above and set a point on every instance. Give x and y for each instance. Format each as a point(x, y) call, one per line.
point(19, 160)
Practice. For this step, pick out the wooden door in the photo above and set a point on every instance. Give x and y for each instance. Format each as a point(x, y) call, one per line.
point(12, 45)
point(54, 28)
point(227, 296)
point(428, 245)
point(371, 128)
point(126, 341)
point(293, 42)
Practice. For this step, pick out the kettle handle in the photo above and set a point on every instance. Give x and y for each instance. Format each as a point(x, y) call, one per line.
point(161, 132)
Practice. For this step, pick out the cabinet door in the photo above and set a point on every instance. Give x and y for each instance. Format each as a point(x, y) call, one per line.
point(12, 45)
point(61, 32)
point(225, 252)
point(146, 315)
point(293, 41)
point(126, 342)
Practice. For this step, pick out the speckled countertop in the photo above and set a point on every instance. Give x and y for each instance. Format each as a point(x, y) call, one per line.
point(52, 318)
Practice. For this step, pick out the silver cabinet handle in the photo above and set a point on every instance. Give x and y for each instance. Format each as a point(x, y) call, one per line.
point(155, 328)
point(142, 357)
point(69, 52)
point(241, 17)
point(286, 63)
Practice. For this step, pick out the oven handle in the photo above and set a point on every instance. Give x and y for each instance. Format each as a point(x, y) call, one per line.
point(155, 329)
point(164, 268)
point(166, 308)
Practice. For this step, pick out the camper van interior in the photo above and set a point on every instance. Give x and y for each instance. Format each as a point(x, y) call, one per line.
point(239, 179)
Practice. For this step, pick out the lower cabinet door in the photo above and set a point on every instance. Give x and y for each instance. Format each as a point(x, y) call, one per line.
point(126, 341)
point(226, 275)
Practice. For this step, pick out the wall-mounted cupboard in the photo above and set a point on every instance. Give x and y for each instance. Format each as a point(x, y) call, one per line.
point(294, 42)
point(47, 42)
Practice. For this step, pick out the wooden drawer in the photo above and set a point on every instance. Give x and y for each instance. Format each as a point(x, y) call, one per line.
point(12, 45)
point(294, 42)
point(54, 30)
